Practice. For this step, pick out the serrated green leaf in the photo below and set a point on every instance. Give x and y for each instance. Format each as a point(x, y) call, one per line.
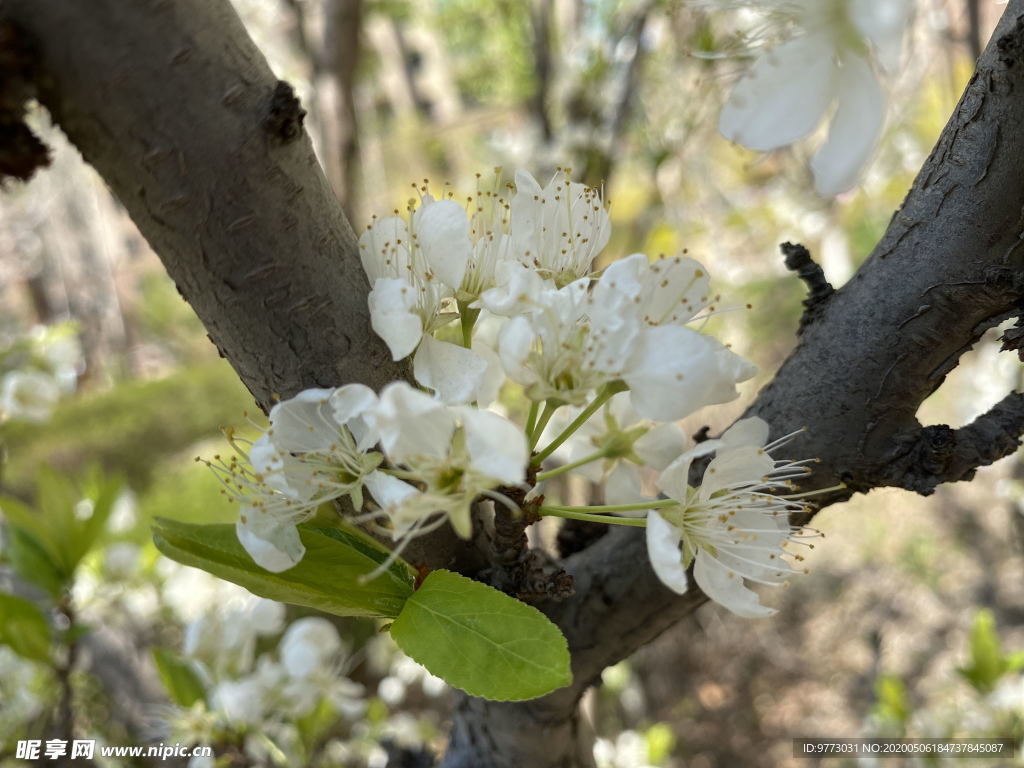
point(482, 641)
point(180, 681)
point(327, 578)
point(23, 627)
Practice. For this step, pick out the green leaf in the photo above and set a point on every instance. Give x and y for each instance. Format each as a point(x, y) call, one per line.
point(179, 679)
point(327, 578)
point(35, 525)
point(892, 703)
point(56, 498)
point(33, 562)
point(481, 640)
point(987, 664)
point(23, 627)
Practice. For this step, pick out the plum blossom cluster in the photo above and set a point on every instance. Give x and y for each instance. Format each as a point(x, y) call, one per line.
point(834, 59)
point(501, 294)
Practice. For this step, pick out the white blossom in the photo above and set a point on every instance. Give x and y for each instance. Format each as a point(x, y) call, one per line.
point(309, 644)
point(562, 344)
point(835, 60)
point(28, 395)
point(732, 526)
point(315, 450)
point(413, 267)
point(558, 229)
point(456, 453)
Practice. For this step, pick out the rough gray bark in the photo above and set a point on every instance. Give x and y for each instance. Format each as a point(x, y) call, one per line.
point(178, 111)
point(173, 105)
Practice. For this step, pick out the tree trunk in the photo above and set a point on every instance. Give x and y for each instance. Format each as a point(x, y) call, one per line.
point(178, 111)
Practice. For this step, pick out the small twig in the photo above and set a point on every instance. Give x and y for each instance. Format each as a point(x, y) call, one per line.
point(925, 458)
point(819, 289)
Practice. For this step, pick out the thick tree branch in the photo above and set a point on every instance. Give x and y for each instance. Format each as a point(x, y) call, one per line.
point(176, 108)
point(947, 269)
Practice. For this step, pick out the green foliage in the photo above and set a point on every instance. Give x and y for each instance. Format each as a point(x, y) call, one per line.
point(892, 704)
point(481, 640)
point(988, 663)
point(23, 627)
point(329, 577)
point(492, 62)
point(178, 677)
point(128, 428)
point(50, 541)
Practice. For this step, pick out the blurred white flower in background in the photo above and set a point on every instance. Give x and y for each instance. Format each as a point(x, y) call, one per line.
point(28, 395)
point(836, 59)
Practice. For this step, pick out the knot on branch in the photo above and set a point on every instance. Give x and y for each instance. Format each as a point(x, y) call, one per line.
point(21, 151)
point(283, 120)
point(798, 259)
point(1011, 45)
point(919, 460)
point(516, 569)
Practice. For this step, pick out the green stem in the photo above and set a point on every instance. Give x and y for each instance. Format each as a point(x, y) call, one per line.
point(541, 476)
point(538, 429)
point(637, 522)
point(636, 507)
point(603, 396)
point(531, 418)
point(467, 318)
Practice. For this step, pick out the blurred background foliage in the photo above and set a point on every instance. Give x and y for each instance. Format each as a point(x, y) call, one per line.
point(911, 622)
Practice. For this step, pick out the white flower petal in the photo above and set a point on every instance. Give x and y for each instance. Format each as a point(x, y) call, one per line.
point(673, 371)
point(663, 550)
point(388, 491)
point(661, 445)
point(304, 423)
point(494, 374)
point(442, 234)
point(28, 395)
point(885, 24)
point(308, 645)
point(674, 481)
point(623, 484)
point(497, 448)
point(412, 423)
point(855, 128)
point(273, 545)
point(514, 344)
point(783, 96)
point(455, 373)
point(383, 248)
point(392, 301)
point(516, 289)
point(745, 464)
point(752, 431)
point(354, 406)
point(726, 588)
